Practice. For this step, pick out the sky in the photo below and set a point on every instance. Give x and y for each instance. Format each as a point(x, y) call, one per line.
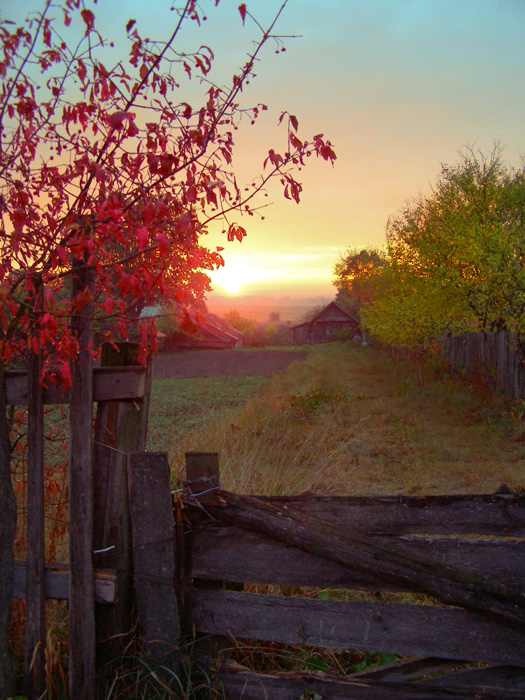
point(398, 86)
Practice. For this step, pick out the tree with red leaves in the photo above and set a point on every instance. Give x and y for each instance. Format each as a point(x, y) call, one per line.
point(104, 165)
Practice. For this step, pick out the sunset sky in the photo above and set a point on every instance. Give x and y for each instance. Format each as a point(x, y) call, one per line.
point(398, 86)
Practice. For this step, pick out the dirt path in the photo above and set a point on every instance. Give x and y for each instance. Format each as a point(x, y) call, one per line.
point(224, 363)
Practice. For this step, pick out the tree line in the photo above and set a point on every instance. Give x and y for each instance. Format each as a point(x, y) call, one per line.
point(454, 260)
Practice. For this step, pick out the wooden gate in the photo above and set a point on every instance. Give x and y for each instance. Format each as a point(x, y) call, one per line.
point(466, 554)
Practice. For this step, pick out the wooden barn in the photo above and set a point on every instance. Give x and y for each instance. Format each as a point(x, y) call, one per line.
point(332, 323)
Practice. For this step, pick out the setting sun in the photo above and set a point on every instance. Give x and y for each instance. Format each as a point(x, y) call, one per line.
point(232, 277)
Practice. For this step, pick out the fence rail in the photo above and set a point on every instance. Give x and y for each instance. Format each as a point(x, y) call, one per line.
point(471, 542)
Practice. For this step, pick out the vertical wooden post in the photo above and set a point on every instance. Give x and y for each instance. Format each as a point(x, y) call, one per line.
point(154, 556)
point(81, 584)
point(120, 429)
point(205, 466)
point(7, 537)
point(35, 633)
point(202, 468)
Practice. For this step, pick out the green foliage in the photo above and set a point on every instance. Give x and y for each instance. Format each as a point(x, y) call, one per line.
point(354, 275)
point(372, 661)
point(456, 257)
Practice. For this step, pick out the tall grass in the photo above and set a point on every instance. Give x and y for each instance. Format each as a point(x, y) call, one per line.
point(352, 420)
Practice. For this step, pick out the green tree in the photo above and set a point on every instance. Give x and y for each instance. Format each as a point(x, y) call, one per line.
point(466, 240)
point(354, 275)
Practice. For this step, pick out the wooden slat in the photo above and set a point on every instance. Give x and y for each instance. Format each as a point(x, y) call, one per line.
point(109, 384)
point(419, 630)
point(7, 536)
point(120, 429)
point(57, 582)
point(497, 515)
point(450, 585)
point(153, 532)
point(408, 669)
point(81, 586)
point(240, 684)
point(504, 677)
point(229, 553)
point(35, 628)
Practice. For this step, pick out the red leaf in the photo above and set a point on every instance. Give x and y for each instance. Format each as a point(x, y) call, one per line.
point(294, 122)
point(81, 70)
point(109, 306)
point(164, 244)
point(242, 10)
point(89, 19)
point(130, 25)
point(142, 237)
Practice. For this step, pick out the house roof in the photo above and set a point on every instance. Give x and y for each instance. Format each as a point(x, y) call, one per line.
point(220, 328)
point(334, 311)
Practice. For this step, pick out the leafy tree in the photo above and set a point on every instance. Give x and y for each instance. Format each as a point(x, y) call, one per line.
point(467, 237)
point(105, 164)
point(245, 325)
point(354, 275)
point(456, 257)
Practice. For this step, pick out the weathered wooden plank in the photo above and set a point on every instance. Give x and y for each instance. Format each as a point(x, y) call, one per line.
point(453, 586)
point(420, 630)
point(503, 677)
point(120, 429)
point(202, 470)
point(109, 384)
point(231, 553)
point(7, 536)
point(35, 628)
point(57, 583)
point(153, 533)
point(408, 669)
point(81, 587)
point(240, 684)
point(498, 515)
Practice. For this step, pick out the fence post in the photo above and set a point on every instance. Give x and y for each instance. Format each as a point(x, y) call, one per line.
point(81, 586)
point(35, 632)
point(120, 429)
point(153, 530)
point(7, 537)
point(203, 470)
point(205, 466)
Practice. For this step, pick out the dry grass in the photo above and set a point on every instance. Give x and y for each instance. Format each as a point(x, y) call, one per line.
point(352, 420)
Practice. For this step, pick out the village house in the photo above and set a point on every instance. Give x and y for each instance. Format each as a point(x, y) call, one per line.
point(331, 323)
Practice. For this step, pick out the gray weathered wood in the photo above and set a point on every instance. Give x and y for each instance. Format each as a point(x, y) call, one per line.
point(499, 515)
point(57, 583)
point(408, 669)
point(202, 470)
point(420, 630)
point(453, 586)
point(109, 384)
point(240, 684)
point(153, 533)
point(120, 429)
point(7, 536)
point(231, 553)
point(82, 595)
point(35, 628)
point(503, 677)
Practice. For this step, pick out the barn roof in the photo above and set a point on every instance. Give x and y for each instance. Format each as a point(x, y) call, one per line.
point(332, 312)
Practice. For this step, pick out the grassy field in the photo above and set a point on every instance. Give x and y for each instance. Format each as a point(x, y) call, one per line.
point(349, 420)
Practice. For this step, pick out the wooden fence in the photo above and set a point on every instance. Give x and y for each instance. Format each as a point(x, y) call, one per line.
point(466, 552)
point(497, 355)
point(98, 487)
